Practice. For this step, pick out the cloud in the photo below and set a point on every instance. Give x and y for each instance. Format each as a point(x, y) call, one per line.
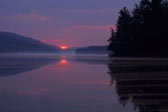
point(57, 41)
point(92, 11)
point(25, 17)
point(30, 16)
point(91, 27)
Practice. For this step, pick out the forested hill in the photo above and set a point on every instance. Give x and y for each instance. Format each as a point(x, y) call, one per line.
point(92, 50)
point(12, 43)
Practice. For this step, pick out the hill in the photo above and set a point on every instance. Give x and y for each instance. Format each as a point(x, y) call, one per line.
point(92, 50)
point(12, 43)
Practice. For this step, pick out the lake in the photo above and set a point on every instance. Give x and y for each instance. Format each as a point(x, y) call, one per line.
point(82, 84)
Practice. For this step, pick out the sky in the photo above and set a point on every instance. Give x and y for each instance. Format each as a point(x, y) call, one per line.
point(62, 22)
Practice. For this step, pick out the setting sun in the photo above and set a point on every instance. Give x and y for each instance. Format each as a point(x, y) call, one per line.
point(64, 47)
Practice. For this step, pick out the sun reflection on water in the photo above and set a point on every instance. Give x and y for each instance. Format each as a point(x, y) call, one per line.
point(63, 61)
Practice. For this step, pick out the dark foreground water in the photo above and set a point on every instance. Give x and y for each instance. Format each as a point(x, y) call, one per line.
point(63, 84)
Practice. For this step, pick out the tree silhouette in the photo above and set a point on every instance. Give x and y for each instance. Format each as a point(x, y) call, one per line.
point(143, 31)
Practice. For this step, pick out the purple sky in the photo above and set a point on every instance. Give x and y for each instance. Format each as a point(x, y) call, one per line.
point(69, 22)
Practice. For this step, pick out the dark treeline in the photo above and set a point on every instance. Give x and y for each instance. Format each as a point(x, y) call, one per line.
point(142, 32)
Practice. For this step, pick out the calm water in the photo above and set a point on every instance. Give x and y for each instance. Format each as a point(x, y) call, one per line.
point(63, 84)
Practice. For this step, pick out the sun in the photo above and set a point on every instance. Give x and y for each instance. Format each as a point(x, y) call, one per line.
point(64, 47)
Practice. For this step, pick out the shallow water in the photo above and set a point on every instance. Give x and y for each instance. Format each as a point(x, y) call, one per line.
point(75, 84)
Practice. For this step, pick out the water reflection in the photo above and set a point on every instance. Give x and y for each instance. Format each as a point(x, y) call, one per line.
point(78, 87)
point(14, 66)
point(92, 59)
point(143, 83)
point(83, 85)
point(63, 61)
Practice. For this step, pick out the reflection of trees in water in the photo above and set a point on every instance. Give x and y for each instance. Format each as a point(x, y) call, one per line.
point(144, 84)
point(97, 59)
point(15, 66)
